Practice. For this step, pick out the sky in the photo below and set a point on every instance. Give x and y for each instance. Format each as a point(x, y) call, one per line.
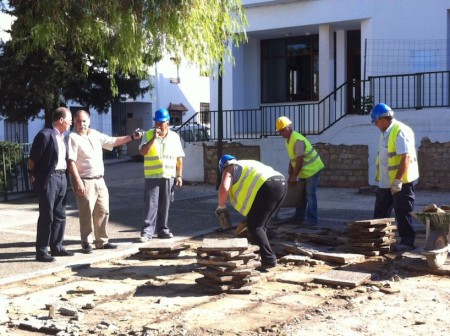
point(5, 23)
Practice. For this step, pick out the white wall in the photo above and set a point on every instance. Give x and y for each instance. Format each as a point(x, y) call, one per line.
point(192, 90)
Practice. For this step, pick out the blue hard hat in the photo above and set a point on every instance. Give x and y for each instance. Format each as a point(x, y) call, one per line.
point(224, 161)
point(161, 115)
point(381, 110)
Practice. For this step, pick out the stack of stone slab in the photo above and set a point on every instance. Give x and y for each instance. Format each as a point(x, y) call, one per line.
point(371, 237)
point(162, 250)
point(228, 265)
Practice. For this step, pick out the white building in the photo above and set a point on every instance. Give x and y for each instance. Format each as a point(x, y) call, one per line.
point(300, 51)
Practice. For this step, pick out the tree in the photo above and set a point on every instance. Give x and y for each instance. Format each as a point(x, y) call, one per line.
point(120, 37)
point(36, 81)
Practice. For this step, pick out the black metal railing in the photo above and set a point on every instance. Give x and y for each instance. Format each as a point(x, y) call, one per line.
point(412, 91)
point(405, 91)
point(307, 118)
point(14, 176)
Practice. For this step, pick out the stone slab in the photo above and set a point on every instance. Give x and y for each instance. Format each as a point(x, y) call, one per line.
point(343, 278)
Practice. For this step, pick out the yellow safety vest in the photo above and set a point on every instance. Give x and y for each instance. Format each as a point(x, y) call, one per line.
point(160, 161)
point(312, 163)
point(412, 173)
point(243, 192)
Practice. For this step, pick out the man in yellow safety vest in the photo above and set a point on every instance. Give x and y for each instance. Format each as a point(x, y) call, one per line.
point(256, 191)
point(304, 163)
point(163, 168)
point(397, 171)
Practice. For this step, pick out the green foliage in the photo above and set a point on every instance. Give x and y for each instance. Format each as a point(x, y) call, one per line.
point(10, 156)
point(126, 33)
point(95, 51)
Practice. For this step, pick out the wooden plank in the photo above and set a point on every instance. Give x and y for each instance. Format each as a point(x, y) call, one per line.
point(333, 241)
point(164, 246)
point(371, 245)
point(225, 244)
point(251, 265)
point(159, 255)
point(340, 258)
point(368, 239)
point(221, 278)
point(223, 287)
point(365, 230)
point(228, 264)
point(357, 235)
point(362, 250)
point(381, 222)
point(296, 250)
point(374, 221)
point(343, 278)
point(296, 259)
point(243, 256)
point(234, 272)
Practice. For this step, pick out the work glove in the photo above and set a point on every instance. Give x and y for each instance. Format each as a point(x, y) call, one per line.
point(223, 217)
point(396, 186)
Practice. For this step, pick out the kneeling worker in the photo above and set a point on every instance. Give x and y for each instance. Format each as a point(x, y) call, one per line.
point(256, 191)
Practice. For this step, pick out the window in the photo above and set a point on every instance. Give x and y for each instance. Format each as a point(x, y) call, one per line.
point(290, 69)
point(16, 131)
point(205, 115)
point(176, 118)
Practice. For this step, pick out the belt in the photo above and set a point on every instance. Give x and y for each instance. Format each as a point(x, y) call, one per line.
point(276, 179)
point(98, 177)
point(60, 171)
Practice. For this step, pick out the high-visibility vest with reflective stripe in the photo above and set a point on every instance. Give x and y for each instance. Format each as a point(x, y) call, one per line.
point(312, 163)
point(243, 192)
point(160, 160)
point(412, 173)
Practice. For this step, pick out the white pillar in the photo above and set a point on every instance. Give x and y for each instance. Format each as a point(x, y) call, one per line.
point(341, 57)
point(325, 60)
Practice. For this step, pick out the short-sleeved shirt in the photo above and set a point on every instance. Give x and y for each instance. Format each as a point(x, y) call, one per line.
point(87, 152)
point(170, 146)
point(403, 144)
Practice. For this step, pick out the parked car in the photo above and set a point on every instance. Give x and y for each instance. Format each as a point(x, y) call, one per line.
point(193, 132)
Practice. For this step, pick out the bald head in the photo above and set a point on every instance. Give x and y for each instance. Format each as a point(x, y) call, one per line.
point(82, 121)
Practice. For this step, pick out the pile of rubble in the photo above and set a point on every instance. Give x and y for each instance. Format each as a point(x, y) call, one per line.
point(228, 265)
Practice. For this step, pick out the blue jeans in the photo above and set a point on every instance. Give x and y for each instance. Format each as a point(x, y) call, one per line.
point(308, 210)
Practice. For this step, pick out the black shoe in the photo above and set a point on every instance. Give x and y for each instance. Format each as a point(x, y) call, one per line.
point(402, 248)
point(86, 248)
point(108, 246)
point(62, 253)
point(45, 258)
point(164, 235)
point(265, 267)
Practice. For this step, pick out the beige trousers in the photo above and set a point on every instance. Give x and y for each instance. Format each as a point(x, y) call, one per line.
point(94, 212)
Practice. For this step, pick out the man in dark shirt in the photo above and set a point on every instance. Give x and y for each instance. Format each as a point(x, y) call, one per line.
point(47, 166)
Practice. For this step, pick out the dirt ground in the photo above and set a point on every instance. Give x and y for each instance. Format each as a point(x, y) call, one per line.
point(141, 296)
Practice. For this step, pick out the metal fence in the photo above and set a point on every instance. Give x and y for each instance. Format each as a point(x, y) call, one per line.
point(14, 176)
point(412, 91)
point(405, 91)
point(307, 118)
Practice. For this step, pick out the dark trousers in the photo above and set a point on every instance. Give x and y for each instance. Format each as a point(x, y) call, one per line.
point(403, 204)
point(266, 203)
point(52, 215)
point(157, 197)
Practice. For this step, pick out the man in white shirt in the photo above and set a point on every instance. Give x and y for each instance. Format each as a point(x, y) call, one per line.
point(85, 161)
